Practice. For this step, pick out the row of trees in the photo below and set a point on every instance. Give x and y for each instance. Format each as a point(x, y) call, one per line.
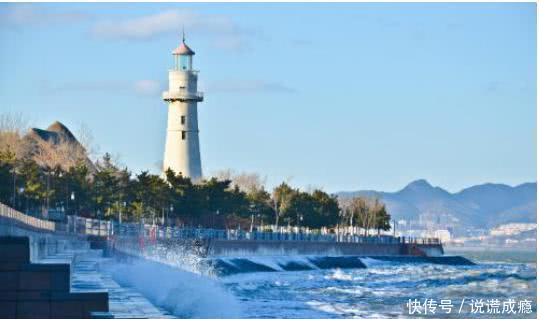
point(38, 176)
point(366, 213)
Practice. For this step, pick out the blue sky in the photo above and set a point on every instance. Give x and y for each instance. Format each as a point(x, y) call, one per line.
point(338, 96)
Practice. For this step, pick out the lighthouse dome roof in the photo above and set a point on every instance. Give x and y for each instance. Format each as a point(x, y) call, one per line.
point(183, 49)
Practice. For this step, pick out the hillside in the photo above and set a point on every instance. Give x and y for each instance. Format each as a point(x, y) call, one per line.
point(481, 205)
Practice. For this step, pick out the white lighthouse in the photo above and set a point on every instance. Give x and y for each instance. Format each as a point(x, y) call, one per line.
point(182, 151)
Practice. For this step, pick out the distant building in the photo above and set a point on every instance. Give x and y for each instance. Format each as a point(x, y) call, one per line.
point(512, 229)
point(182, 150)
point(510, 241)
point(443, 234)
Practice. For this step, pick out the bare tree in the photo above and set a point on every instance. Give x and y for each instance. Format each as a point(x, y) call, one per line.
point(246, 182)
point(12, 129)
point(13, 122)
point(86, 140)
point(361, 211)
point(62, 153)
point(373, 207)
point(365, 212)
point(225, 174)
point(345, 205)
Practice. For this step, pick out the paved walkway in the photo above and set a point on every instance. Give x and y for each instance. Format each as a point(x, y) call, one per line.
point(124, 302)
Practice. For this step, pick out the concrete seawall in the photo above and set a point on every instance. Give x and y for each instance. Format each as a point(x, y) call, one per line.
point(224, 248)
point(41, 291)
point(43, 243)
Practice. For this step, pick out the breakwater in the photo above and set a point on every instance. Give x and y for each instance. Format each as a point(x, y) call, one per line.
point(367, 247)
point(232, 266)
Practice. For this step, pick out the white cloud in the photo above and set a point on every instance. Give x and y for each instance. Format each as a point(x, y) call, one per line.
point(147, 87)
point(23, 15)
point(250, 86)
point(153, 88)
point(143, 27)
point(140, 87)
point(222, 31)
point(85, 86)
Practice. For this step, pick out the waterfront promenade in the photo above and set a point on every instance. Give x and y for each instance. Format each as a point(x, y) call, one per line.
point(48, 273)
point(74, 244)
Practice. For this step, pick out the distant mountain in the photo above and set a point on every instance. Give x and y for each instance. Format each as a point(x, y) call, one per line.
point(485, 205)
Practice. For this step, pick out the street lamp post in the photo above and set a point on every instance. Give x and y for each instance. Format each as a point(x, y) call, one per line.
point(252, 208)
point(124, 204)
point(60, 175)
point(48, 187)
point(14, 186)
point(276, 214)
point(171, 210)
point(75, 214)
point(21, 191)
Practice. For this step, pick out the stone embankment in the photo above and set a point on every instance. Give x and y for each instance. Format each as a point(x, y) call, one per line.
point(41, 291)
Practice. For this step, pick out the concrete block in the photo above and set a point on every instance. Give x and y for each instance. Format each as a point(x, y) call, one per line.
point(94, 305)
point(9, 280)
point(67, 309)
point(8, 309)
point(10, 267)
point(41, 291)
point(34, 280)
point(53, 277)
point(8, 296)
point(14, 250)
point(88, 301)
point(18, 296)
point(32, 309)
point(61, 280)
point(34, 295)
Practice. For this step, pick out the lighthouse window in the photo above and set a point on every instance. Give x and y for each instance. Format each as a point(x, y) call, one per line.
point(183, 135)
point(185, 62)
point(183, 119)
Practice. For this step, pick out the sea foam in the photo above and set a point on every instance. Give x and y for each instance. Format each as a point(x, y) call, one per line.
point(183, 293)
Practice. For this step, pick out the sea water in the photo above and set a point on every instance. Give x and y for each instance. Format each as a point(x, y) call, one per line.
point(382, 290)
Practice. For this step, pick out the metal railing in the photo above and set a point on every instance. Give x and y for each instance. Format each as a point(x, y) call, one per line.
point(183, 95)
point(164, 232)
point(24, 220)
point(87, 226)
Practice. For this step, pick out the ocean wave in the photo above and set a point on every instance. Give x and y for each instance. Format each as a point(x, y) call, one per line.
point(183, 293)
point(338, 274)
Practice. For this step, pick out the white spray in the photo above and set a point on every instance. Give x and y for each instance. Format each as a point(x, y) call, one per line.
point(183, 293)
